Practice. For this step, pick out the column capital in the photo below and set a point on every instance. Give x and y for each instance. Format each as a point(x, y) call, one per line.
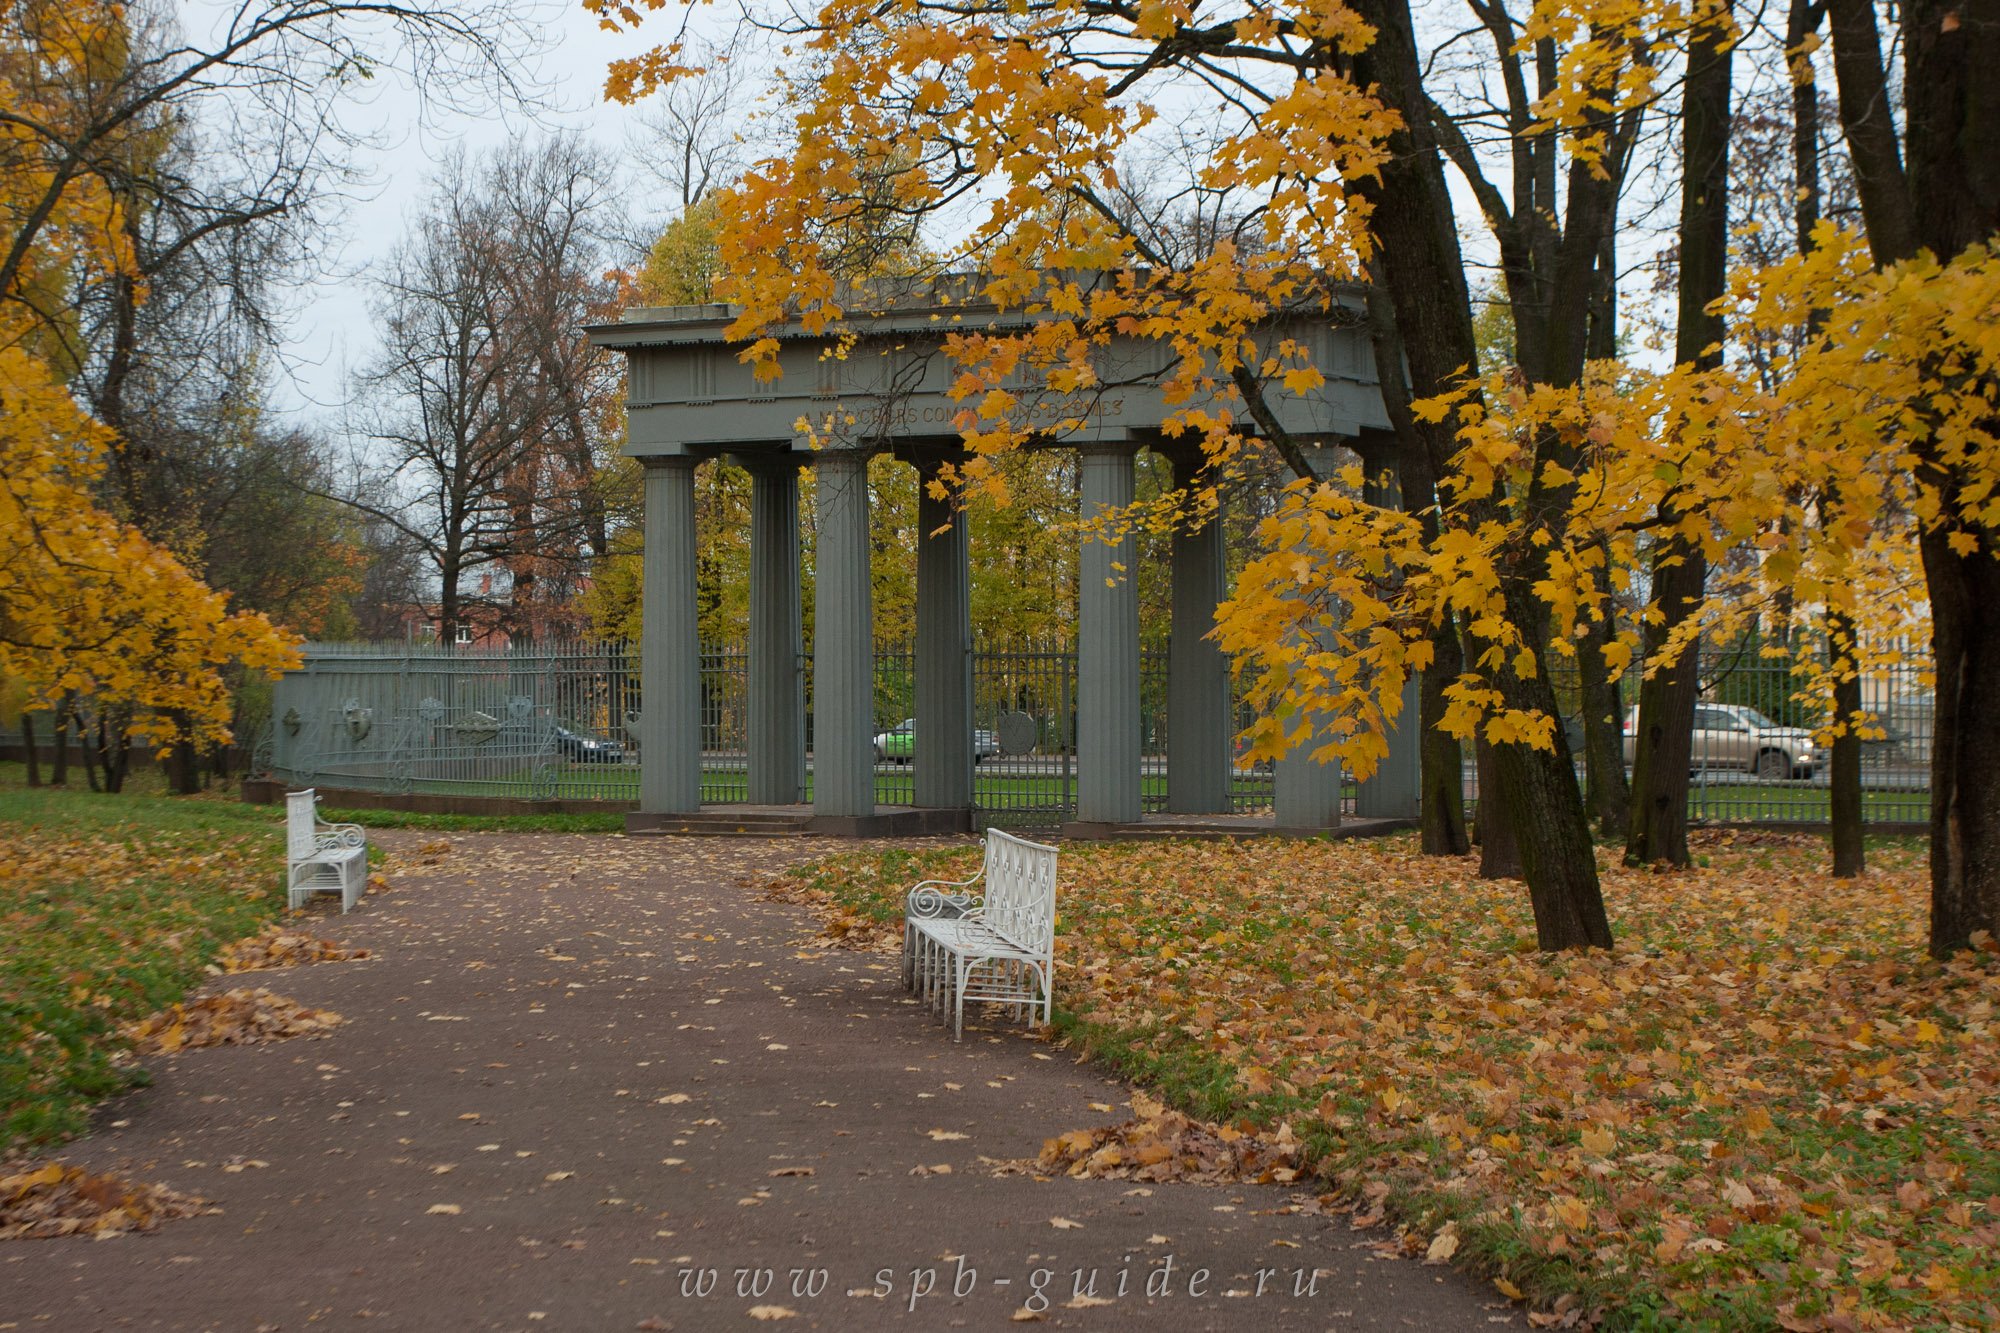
point(1107, 448)
point(769, 461)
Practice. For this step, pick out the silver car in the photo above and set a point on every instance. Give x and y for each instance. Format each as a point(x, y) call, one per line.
point(1738, 737)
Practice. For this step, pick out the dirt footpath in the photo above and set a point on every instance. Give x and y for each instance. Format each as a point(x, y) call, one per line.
point(595, 1083)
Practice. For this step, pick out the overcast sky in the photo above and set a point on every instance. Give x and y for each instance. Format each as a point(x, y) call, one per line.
point(331, 330)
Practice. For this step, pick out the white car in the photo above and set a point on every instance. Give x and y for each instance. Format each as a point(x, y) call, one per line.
point(1737, 736)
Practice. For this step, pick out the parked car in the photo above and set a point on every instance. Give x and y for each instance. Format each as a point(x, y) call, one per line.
point(581, 747)
point(1737, 736)
point(899, 743)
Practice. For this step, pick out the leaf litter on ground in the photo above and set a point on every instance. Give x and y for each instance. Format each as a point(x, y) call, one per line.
point(279, 945)
point(240, 1017)
point(51, 1200)
point(1768, 1106)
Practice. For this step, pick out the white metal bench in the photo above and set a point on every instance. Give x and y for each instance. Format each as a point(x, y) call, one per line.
point(993, 942)
point(322, 858)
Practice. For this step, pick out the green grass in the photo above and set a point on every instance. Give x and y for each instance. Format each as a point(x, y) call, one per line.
point(1778, 803)
point(111, 906)
point(604, 821)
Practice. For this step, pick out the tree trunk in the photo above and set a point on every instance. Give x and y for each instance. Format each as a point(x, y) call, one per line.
point(1606, 793)
point(1844, 807)
point(1499, 853)
point(1663, 749)
point(183, 763)
point(1424, 268)
point(1609, 796)
point(1558, 860)
point(1680, 568)
point(114, 752)
point(59, 726)
point(1965, 798)
point(1442, 759)
point(87, 752)
point(29, 749)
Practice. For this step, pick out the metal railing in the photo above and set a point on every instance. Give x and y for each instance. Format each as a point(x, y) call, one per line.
point(558, 721)
point(1754, 757)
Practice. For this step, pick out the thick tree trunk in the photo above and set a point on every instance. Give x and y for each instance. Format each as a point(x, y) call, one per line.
point(183, 763)
point(1557, 858)
point(1952, 114)
point(1965, 797)
point(1663, 749)
point(114, 752)
point(31, 751)
point(1499, 851)
point(1680, 569)
point(1425, 270)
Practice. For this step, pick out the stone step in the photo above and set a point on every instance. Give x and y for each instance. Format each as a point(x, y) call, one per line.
point(745, 824)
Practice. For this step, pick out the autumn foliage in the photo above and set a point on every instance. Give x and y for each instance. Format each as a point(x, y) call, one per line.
point(87, 604)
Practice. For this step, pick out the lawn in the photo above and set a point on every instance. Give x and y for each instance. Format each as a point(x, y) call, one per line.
point(1768, 1108)
point(110, 907)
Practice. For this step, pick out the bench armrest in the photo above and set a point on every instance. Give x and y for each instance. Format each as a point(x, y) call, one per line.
point(931, 899)
point(340, 835)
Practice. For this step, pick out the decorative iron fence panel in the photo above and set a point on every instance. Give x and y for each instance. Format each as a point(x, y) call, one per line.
point(725, 724)
point(895, 724)
point(1024, 696)
point(550, 721)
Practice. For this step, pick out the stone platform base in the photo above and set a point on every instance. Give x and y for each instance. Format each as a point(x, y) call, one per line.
point(799, 821)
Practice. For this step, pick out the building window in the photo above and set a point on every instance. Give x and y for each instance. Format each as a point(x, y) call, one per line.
point(464, 634)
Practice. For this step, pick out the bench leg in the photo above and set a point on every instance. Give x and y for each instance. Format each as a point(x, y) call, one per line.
point(964, 974)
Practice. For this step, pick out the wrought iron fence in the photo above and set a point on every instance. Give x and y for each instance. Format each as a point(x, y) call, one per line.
point(559, 720)
point(552, 721)
point(1024, 719)
point(1754, 756)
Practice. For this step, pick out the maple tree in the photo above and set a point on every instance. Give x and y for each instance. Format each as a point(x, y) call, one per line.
point(1534, 492)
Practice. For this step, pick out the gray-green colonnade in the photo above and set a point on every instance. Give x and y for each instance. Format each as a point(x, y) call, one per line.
point(691, 399)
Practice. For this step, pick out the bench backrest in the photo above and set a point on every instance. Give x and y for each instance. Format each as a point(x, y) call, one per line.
point(301, 815)
point(1021, 891)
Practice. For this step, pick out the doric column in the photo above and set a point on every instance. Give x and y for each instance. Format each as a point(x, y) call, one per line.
point(843, 641)
point(1199, 724)
point(777, 686)
point(1305, 794)
point(669, 646)
point(943, 752)
point(1393, 790)
point(1107, 659)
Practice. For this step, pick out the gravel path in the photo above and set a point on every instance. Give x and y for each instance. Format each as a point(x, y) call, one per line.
point(595, 1083)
